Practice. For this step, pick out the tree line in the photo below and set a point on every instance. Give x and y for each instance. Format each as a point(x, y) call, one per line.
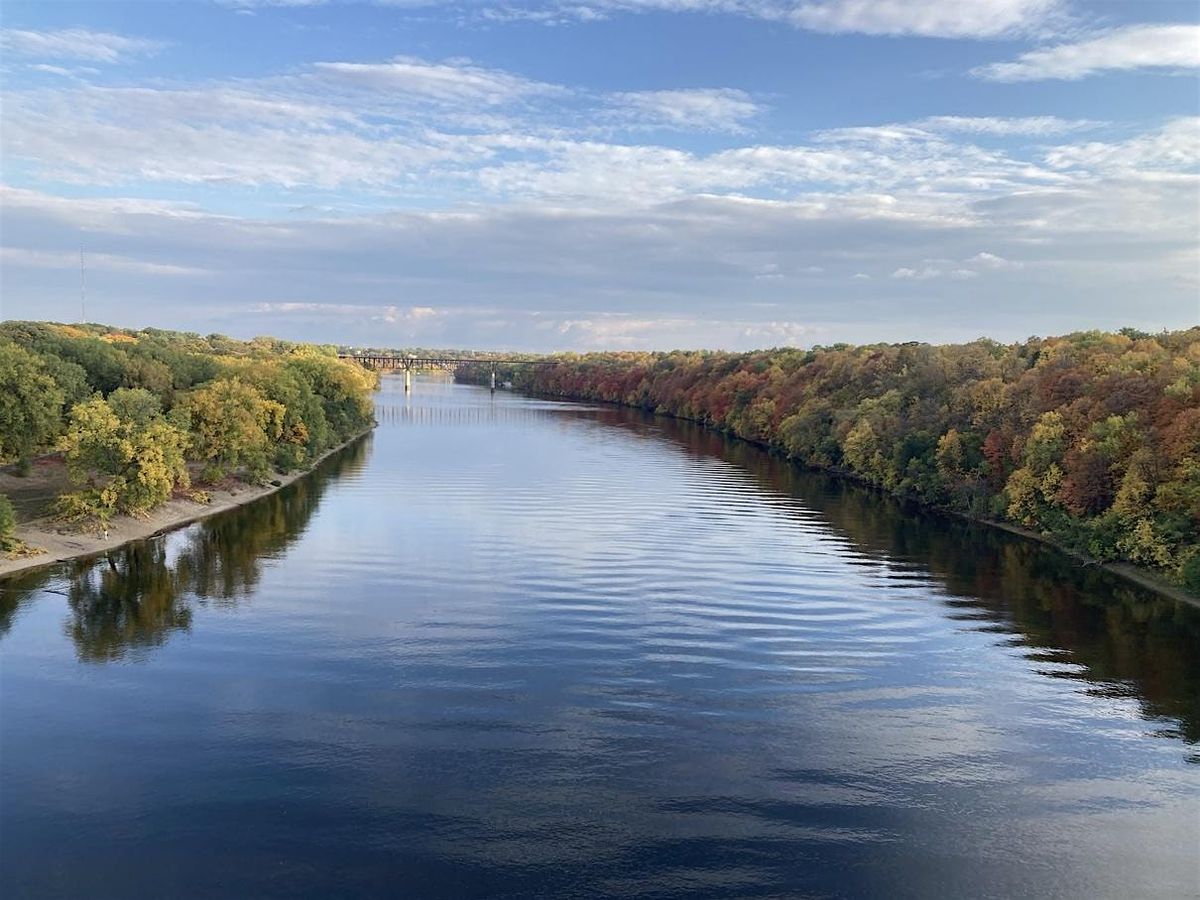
point(129, 410)
point(1091, 438)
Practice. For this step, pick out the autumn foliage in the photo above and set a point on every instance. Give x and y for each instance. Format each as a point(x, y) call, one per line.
point(1092, 438)
point(128, 410)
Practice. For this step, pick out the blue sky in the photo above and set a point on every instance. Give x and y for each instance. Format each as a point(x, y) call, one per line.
point(583, 174)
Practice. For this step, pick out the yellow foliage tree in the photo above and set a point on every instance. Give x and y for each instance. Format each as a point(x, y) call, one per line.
point(233, 425)
point(122, 465)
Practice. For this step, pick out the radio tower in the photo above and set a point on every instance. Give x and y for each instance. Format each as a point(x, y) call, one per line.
point(82, 289)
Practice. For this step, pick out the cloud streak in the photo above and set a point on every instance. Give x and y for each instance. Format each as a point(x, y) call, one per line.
point(929, 18)
point(974, 19)
point(454, 81)
point(77, 44)
point(1157, 47)
point(713, 109)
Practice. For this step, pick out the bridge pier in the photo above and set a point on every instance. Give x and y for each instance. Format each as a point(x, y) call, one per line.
point(395, 362)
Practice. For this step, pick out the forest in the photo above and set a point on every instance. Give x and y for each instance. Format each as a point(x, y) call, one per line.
point(1091, 439)
point(136, 416)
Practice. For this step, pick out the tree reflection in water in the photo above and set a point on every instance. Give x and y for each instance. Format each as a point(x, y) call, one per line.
point(133, 598)
point(1123, 640)
point(1120, 639)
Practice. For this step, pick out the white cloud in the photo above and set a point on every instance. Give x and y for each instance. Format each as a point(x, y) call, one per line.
point(550, 14)
point(257, 4)
point(68, 261)
point(867, 160)
point(780, 333)
point(125, 135)
point(969, 268)
point(985, 260)
point(928, 18)
point(716, 109)
point(77, 44)
point(626, 332)
point(1035, 126)
point(471, 133)
point(406, 126)
point(64, 71)
point(929, 271)
point(386, 315)
point(1173, 148)
point(1169, 47)
point(452, 81)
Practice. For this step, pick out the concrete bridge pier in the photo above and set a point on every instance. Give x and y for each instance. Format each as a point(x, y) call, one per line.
point(493, 379)
point(407, 380)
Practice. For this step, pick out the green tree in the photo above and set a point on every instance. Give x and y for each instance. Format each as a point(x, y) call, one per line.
point(344, 391)
point(8, 525)
point(135, 405)
point(30, 404)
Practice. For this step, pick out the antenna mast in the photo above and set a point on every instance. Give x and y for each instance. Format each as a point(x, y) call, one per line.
point(82, 288)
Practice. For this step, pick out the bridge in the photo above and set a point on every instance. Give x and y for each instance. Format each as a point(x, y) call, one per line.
point(410, 364)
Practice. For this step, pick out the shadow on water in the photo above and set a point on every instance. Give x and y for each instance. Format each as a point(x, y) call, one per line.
point(132, 598)
point(1124, 640)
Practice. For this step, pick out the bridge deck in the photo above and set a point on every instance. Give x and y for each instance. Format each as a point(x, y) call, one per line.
point(437, 362)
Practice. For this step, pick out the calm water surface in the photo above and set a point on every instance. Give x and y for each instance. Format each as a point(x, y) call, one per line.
point(506, 647)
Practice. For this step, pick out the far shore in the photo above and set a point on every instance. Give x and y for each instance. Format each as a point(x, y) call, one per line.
point(1128, 571)
point(58, 543)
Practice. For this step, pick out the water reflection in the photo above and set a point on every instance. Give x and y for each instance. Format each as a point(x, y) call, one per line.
point(1124, 640)
point(132, 598)
point(489, 414)
point(539, 650)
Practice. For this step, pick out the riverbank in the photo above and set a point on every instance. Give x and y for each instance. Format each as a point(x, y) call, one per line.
point(58, 542)
point(1127, 571)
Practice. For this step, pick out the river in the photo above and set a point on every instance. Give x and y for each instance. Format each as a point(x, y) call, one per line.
point(507, 647)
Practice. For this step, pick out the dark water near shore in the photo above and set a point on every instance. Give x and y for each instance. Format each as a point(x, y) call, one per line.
point(505, 647)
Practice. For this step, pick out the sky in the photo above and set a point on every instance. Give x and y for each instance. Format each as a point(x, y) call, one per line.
point(603, 174)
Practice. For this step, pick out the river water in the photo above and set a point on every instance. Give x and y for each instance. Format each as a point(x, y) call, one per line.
point(506, 647)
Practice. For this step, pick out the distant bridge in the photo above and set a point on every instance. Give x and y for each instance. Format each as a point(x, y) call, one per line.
point(410, 364)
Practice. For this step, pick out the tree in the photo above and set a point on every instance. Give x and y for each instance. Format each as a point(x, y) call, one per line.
point(233, 425)
point(121, 464)
point(344, 390)
point(30, 404)
point(136, 405)
point(8, 525)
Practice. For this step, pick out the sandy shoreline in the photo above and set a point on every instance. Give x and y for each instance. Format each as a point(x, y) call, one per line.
point(44, 532)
